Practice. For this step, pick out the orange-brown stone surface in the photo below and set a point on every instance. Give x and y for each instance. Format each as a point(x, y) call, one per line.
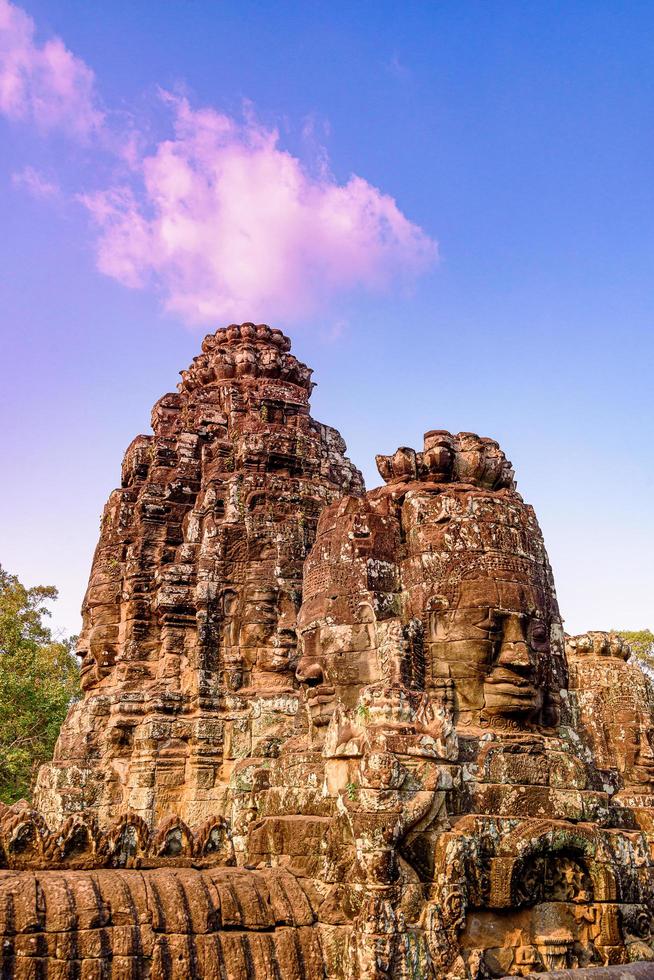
point(188, 639)
point(329, 733)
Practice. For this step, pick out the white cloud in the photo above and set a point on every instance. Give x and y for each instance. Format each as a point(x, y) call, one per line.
point(219, 219)
point(44, 84)
point(35, 183)
point(228, 225)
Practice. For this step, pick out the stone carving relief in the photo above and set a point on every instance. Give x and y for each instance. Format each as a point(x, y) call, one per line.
point(613, 701)
point(189, 644)
point(329, 733)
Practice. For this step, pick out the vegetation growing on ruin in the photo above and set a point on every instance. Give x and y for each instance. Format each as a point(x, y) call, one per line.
point(39, 678)
point(641, 643)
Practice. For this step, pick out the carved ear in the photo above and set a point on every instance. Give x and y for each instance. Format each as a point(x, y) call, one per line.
point(436, 609)
point(551, 711)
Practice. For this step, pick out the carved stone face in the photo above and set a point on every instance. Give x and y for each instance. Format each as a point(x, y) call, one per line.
point(495, 645)
point(97, 647)
point(639, 750)
point(267, 637)
point(336, 663)
point(614, 706)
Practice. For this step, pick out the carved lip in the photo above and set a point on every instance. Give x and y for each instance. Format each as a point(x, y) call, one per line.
point(86, 666)
point(321, 695)
point(516, 689)
point(501, 677)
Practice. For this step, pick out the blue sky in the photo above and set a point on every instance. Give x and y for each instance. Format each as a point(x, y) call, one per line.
point(516, 135)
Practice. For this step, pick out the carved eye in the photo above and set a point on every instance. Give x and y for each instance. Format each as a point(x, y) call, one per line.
point(488, 621)
point(539, 636)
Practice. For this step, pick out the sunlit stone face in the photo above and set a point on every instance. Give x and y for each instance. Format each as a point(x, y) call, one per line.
point(639, 752)
point(97, 648)
point(350, 594)
point(630, 705)
point(267, 637)
point(462, 566)
point(614, 706)
point(495, 644)
point(337, 661)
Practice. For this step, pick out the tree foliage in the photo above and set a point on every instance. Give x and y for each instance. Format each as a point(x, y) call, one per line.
point(641, 643)
point(39, 678)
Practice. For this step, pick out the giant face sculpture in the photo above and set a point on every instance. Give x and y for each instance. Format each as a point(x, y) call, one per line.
point(351, 583)
point(495, 643)
point(258, 639)
point(337, 661)
point(450, 548)
point(97, 646)
point(639, 750)
point(613, 703)
point(267, 639)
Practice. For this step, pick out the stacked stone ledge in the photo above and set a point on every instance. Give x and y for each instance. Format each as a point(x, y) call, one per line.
point(329, 733)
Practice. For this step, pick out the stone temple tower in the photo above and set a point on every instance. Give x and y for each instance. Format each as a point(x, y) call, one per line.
point(188, 642)
point(328, 733)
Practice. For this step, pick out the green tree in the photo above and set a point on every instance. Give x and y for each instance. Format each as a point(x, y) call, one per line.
point(641, 643)
point(39, 678)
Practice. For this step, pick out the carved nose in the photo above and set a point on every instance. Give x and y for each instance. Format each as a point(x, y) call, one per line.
point(514, 655)
point(309, 672)
point(514, 651)
point(287, 637)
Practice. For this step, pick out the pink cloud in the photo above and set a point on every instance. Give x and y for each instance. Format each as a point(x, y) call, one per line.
point(219, 219)
point(35, 183)
point(227, 225)
point(44, 84)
